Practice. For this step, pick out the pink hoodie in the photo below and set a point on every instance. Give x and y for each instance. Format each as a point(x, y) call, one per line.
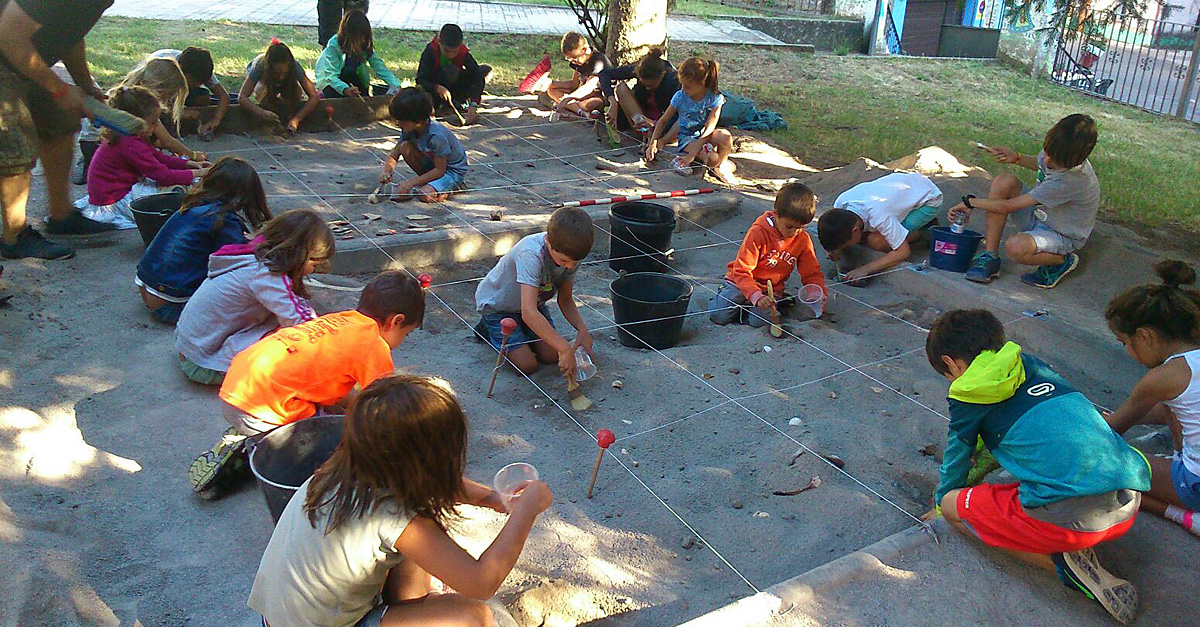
point(118, 165)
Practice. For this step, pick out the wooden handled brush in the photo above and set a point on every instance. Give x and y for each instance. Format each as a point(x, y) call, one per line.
point(776, 328)
point(120, 121)
point(579, 402)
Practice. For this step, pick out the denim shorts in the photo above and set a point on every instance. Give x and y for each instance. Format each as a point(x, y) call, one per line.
point(374, 618)
point(447, 182)
point(1045, 238)
point(1187, 485)
point(521, 337)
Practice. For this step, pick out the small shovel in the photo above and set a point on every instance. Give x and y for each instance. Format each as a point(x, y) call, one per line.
point(776, 328)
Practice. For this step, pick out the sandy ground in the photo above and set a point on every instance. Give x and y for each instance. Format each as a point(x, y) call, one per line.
point(99, 526)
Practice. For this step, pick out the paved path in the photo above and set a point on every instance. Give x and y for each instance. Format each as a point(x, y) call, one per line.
point(479, 17)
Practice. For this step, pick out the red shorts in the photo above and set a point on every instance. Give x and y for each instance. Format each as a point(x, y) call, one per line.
point(994, 513)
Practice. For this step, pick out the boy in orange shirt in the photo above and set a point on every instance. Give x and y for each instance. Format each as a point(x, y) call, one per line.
point(290, 374)
point(775, 243)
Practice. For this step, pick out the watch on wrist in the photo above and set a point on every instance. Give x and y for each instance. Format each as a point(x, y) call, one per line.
point(966, 200)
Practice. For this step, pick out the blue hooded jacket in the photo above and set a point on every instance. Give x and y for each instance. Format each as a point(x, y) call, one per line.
point(176, 262)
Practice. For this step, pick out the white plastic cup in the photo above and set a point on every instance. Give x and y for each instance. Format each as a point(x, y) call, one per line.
point(584, 368)
point(814, 298)
point(512, 479)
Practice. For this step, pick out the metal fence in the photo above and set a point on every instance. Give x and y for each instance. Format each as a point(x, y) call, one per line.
point(784, 6)
point(1150, 64)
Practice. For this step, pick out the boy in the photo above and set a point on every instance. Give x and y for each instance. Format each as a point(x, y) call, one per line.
point(524, 279)
point(203, 87)
point(292, 373)
point(884, 215)
point(448, 72)
point(775, 243)
point(580, 95)
point(428, 147)
point(1077, 480)
point(1055, 217)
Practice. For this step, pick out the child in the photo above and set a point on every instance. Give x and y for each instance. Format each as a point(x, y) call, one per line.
point(283, 90)
point(203, 88)
point(1160, 328)
point(885, 215)
point(345, 66)
point(524, 279)
point(643, 105)
point(449, 73)
point(251, 290)
point(428, 147)
point(126, 168)
point(359, 541)
point(290, 375)
point(580, 95)
point(215, 214)
point(698, 104)
point(775, 243)
point(1077, 483)
point(1055, 217)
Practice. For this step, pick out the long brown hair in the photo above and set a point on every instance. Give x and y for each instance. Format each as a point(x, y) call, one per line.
point(289, 87)
point(404, 441)
point(290, 240)
point(1168, 307)
point(136, 100)
point(652, 66)
point(699, 70)
point(234, 184)
point(354, 36)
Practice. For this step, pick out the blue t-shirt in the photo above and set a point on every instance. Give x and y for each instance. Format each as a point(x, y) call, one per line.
point(439, 141)
point(694, 113)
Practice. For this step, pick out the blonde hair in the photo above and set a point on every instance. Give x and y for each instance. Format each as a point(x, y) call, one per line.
point(160, 76)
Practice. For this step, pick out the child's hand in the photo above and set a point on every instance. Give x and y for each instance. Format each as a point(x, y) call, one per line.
point(930, 515)
point(200, 172)
point(200, 157)
point(533, 499)
point(443, 93)
point(566, 363)
point(856, 274)
point(293, 124)
point(610, 115)
point(386, 175)
point(493, 501)
point(270, 116)
point(208, 127)
point(199, 165)
point(1003, 155)
point(956, 210)
point(764, 303)
point(404, 188)
point(651, 150)
point(583, 338)
point(352, 92)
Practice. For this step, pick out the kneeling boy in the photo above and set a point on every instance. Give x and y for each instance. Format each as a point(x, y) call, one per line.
point(427, 146)
point(774, 245)
point(1078, 482)
point(451, 75)
point(524, 279)
point(292, 373)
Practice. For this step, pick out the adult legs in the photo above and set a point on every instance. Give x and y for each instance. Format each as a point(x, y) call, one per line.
point(329, 16)
point(57, 154)
point(14, 196)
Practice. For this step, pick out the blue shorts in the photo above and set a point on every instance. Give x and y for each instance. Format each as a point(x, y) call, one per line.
point(1187, 485)
point(521, 337)
point(447, 182)
point(920, 217)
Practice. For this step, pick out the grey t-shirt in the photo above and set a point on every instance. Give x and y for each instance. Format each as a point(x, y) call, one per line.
point(1071, 198)
point(256, 68)
point(439, 141)
point(527, 263)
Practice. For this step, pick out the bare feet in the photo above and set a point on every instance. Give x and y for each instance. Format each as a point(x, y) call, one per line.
point(725, 174)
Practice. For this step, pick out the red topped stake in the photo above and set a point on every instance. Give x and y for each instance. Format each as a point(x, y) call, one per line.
point(508, 326)
point(425, 280)
point(604, 439)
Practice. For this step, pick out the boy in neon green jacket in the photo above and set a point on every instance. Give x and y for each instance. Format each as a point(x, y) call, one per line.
point(1078, 483)
point(345, 66)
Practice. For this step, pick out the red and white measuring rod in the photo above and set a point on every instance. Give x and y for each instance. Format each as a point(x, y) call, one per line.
point(604, 201)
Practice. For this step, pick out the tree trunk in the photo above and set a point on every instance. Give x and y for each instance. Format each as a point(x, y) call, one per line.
point(633, 27)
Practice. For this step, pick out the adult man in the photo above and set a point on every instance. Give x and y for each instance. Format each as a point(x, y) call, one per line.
point(329, 16)
point(39, 116)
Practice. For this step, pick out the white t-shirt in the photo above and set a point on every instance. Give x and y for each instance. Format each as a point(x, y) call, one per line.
point(884, 203)
point(527, 263)
point(1186, 408)
point(309, 578)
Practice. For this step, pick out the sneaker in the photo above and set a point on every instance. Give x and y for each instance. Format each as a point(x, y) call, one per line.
point(217, 470)
point(30, 243)
point(984, 268)
point(1081, 571)
point(1046, 277)
point(77, 224)
point(531, 80)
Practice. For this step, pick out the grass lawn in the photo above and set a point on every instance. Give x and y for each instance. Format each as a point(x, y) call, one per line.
point(838, 107)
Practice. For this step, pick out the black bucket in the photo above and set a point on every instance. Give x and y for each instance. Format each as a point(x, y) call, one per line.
point(286, 457)
point(150, 213)
point(641, 236)
point(658, 298)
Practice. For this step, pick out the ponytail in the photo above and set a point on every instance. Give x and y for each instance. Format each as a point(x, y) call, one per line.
point(699, 70)
point(1168, 307)
point(652, 66)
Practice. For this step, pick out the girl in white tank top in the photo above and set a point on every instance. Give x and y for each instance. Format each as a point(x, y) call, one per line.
point(1160, 328)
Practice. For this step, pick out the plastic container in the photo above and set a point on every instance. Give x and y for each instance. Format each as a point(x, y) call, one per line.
point(286, 457)
point(150, 213)
point(813, 297)
point(952, 251)
point(641, 236)
point(510, 479)
point(649, 307)
point(584, 368)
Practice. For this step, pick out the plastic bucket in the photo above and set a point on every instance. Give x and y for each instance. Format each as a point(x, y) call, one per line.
point(286, 457)
point(649, 306)
point(641, 236)
point(952, 251)
point(150, 213)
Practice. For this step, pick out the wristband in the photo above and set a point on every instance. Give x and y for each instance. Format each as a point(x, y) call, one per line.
point(966, 200)
point(62, 91)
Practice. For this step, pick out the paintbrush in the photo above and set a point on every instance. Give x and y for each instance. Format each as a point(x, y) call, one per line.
point(122, 122)
point(776, 328)
point(579, 402)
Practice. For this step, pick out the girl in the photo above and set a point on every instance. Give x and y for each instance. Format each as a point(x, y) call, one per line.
point(282, 88)
point(581, 95)
point(1160, 328)
point(251, 290)
point(643, 105)
point(215, 214)
point(372, 521)
point(698, 104)
point(126, 168)
point(345, 66)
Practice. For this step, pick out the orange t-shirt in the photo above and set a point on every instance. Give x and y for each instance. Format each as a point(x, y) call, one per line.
point(766, 256)
point(283, 377)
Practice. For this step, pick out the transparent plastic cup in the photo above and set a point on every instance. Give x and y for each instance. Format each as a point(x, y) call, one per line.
point(813, 297)
point(512, 478)
point(584, 368)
